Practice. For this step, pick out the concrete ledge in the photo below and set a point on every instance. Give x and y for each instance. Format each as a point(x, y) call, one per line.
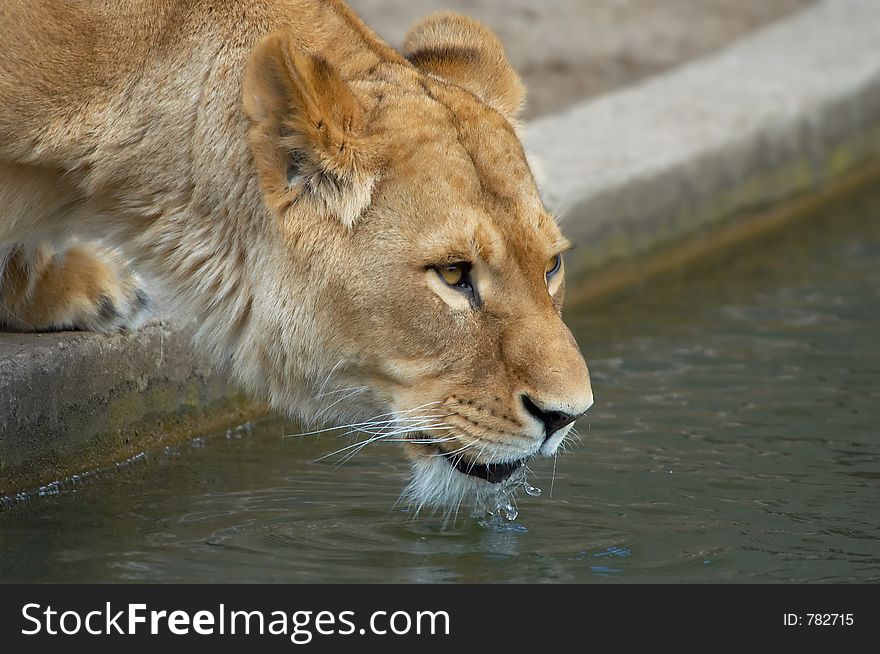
point(784, 114)
point(73, 401)
point(791, 110)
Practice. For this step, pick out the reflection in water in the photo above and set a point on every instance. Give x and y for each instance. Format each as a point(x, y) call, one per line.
point(734, 438)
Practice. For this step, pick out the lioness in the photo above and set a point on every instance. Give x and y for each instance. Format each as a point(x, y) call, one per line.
point(356, 228)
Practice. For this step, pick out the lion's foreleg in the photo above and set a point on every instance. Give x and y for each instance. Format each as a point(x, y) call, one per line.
point(82, 287)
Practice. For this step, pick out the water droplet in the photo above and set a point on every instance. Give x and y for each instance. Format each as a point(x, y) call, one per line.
point(510, 511)
point(534, 491)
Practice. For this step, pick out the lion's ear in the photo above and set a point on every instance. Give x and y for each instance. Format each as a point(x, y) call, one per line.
point(465, 52)
point(306, 130)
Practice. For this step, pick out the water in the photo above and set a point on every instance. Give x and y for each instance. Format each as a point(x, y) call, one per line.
point(734, 438)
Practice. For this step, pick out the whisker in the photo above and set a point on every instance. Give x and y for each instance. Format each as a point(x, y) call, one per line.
point(353, 425)
point(421, 441)
point(479, 454)
point(325, 430)
point(327, 379)
point(383, 436)
point(326, 409)
point(456, 451)
point(337, 390)
point(372, 422)
point(376, 437)
point(390, 423)
point(405, 412)
point(348, 447)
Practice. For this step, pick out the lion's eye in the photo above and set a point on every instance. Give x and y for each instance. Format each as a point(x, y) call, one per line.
point(455, 274)
point(553, 265)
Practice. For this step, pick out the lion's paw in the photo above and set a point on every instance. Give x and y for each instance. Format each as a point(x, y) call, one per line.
point(85, 287)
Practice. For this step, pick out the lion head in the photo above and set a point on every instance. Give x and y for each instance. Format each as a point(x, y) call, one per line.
point(422, 273)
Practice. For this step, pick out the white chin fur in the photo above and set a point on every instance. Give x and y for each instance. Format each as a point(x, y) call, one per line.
point(437, 485)
point(549, 448)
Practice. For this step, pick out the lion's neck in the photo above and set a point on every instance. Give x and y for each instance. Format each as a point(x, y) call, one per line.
point(205, 268)
point(189, 211)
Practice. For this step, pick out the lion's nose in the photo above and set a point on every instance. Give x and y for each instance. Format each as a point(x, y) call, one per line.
point(553, 420)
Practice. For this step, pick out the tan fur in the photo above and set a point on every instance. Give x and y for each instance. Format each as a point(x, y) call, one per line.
point(291, 180)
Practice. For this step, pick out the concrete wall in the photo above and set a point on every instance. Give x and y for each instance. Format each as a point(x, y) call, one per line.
point(75, 402)
point(792, 110)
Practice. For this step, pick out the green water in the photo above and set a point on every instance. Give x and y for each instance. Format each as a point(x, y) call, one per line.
point(734, 438)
